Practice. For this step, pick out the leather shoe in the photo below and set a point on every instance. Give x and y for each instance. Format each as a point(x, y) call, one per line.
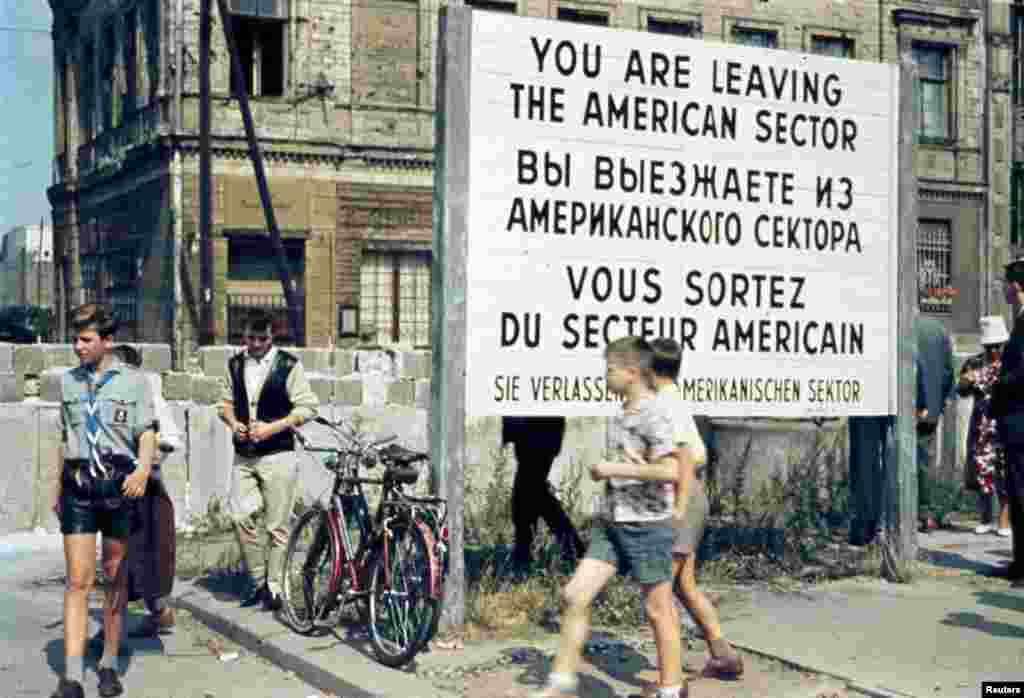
point(254, 596)
point(727, 668)
point(110, 685)
point(69, 689)
point(271, 601)
point(1013, 572)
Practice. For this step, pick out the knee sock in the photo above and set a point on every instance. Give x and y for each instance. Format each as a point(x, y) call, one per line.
point(107, 661)
point(74, 669)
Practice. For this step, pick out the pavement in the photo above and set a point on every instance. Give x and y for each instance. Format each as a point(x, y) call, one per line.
point(191, 662)
point(943, 634)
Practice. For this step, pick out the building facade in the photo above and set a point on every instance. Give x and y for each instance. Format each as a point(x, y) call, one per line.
point(343, 100)
point(26, 266)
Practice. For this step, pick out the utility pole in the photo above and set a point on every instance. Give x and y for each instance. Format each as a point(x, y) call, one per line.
point(206, 332)
point(294, 312)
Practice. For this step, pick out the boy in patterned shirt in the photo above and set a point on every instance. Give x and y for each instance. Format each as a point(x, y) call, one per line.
point(636, 534)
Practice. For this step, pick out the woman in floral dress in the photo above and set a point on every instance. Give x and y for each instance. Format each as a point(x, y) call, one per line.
point(986, 458)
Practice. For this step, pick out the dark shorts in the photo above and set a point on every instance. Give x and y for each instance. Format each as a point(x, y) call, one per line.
point(641, 550)
point(114, 518)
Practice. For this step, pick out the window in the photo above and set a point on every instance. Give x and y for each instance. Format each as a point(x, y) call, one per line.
point(571, 14)
point(836, 46)
point(252, 258)
point(394, 296)
point(667, 26)
point(934, 264)
point(86, 99)
point(108, 80)
point(762, 38)
point(932, 93)
point(259, 30)
point(1018, 53)
point(1017, 204)
point(492, 5)
point(131, 64)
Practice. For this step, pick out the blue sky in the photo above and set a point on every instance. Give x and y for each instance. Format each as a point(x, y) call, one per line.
point(26, 113)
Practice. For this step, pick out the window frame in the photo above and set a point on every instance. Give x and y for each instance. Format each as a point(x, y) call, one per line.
point(505, 6)
point(742, 29)
point(578, 15)
point(846, 40)
point(253, 26)
point(394, 255)
point(948, 252)
point(949, 52)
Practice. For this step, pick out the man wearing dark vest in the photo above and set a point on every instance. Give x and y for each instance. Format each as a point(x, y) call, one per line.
point(266, 396)
point(1007, 407)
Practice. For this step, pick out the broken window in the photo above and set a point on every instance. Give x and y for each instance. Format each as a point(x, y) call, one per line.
point(259, 30)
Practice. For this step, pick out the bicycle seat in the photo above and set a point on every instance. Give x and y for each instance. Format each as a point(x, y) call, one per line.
point(404, 476)
point(399, 455)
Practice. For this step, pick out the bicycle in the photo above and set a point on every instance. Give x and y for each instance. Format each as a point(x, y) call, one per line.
point(385, 565)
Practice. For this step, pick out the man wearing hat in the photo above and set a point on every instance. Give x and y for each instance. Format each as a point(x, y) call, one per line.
point(985, 464)
point(1008, 409)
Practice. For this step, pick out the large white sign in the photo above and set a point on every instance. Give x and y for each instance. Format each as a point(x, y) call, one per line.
point(739, 200)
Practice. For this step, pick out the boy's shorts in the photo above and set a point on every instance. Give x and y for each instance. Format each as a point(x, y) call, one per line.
point(642, 550)
point(690, 530)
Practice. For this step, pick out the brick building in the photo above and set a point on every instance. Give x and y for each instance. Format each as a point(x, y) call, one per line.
point(343, 97)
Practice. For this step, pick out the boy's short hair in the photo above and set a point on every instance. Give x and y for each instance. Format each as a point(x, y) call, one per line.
point(94, 315)
point(258, 320)
point(635, 351)
point(128, 354)
point(668, 357)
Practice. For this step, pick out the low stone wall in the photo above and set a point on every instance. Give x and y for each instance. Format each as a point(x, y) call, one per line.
point(386, 390)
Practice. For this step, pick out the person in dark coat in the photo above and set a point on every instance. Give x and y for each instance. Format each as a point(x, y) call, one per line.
point(537, 441)
point(935, 371)
point(151, 555)
point(1007, 408)
point(870, 442)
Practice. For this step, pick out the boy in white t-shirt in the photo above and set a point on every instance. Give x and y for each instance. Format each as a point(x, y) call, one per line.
point(690, 513)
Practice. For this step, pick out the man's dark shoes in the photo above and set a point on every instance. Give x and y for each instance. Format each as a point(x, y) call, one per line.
point(1014, 572)
point(253, 595)
point(110, 685)
point(727, 668)
point(271, 601)
point(69, 689)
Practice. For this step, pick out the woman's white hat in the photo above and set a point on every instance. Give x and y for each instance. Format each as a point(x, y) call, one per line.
point(993, 330)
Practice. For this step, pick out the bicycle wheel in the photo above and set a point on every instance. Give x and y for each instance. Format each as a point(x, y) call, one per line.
point(401, 607)
point(308, 569)
point(431, 538)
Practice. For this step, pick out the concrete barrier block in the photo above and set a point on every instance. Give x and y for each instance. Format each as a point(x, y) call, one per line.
point(59, 356)
point(29, 358)
point(375, 388)
point(402, 392)
point(214, 360)
point(207, 390)
point(380, 361)
point(155, 357)
point(323, 387)
point(177, 386)
point(7, 357)
point(416, 364)
point(423, 394)
point(344, 362)
point(349, 391)
point(314, 360)
point(10, 388)
point(48, 446)
point(49, 384)
point(211, 458)
point(19, 487)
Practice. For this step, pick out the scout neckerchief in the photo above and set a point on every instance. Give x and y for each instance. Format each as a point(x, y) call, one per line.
point(92, 425)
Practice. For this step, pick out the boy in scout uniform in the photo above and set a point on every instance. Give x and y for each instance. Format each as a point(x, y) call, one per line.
point(109, 444)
